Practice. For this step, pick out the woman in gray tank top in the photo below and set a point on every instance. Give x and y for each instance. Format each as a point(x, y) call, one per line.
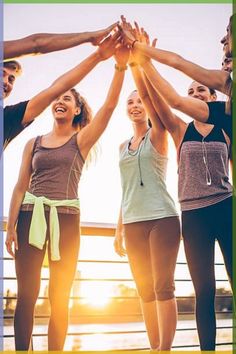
point(148, 219)
point(45, 203)
point(205, 195)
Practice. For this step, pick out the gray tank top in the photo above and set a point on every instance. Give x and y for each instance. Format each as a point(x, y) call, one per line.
point(144, 193)
point(56, 172)
point(203, 169)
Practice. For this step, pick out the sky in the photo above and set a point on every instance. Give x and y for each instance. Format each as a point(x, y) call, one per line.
point(192, 30)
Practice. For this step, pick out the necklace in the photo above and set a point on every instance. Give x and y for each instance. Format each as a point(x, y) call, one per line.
point(136, 151)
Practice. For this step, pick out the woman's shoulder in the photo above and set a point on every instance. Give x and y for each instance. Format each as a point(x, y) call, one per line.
point(36, 141)
point(123, 145)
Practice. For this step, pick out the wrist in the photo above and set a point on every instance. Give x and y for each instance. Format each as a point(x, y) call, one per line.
point(119, 67)
point(86, 37)
point(97, 56)
point(133, 64)
point(133, 43)
point(89, 37)
point(145, 62)
point(10, 228)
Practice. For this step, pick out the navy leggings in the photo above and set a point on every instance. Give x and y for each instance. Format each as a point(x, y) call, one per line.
point(200, 228)
point(152, 247)
point(28, 262)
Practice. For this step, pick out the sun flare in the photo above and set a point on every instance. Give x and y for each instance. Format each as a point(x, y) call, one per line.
point(97, 300)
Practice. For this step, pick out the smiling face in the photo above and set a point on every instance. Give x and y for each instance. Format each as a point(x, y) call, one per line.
point(8, 77)
point(201, 92)
point(227, 64)
point(64, 107)
point(10, 70)
point(135, 109)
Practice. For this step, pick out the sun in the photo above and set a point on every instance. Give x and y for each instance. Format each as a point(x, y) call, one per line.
point(96, 296)
point(98, 300)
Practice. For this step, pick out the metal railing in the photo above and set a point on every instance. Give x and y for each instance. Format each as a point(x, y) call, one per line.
point(94, 229)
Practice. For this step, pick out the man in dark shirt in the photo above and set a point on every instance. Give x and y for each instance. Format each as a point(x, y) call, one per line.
point(13, 115)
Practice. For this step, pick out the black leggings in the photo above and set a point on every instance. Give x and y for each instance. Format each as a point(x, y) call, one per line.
point(28, 264)
point(152, 247)
point(200, 228)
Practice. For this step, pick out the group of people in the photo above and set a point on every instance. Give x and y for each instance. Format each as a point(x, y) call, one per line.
point(45, 211)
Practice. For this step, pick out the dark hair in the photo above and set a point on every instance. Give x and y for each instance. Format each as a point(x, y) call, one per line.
point(229, 83)
point(212, 91)
point(85, 115)
point(229, 93)
point(13, 65)
point(231, 20)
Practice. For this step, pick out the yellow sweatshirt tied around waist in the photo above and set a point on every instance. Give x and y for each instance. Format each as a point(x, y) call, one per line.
point(38, 226)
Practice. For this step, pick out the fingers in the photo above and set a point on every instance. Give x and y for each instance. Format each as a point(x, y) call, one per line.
point(121, 253)
point(154, 42)
point(123, 19)
point(125, 25)
point(112, 39)
point(136, 26)
point(119, 249)
point(147, 37)
point(120, 27)
point(113, 26)
point(8, 244)
point(116, 35)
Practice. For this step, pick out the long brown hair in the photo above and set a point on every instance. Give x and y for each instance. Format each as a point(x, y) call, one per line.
point(85, 116)
point(82, 120)
point(229, 93)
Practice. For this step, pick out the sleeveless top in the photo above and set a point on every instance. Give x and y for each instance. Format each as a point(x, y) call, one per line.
point(203, 169)
point(144, 193)
point(56, 173)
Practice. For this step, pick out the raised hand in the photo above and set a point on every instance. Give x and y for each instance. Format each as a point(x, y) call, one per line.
point(108, 47)
point(122, 55)
point(128, 33)
point(143, 38)
point(98, 36)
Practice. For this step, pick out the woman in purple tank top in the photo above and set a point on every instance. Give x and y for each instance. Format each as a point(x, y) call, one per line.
point(205, 194)
point(44, 203)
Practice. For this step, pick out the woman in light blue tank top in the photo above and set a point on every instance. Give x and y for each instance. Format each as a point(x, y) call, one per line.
point(148, 219)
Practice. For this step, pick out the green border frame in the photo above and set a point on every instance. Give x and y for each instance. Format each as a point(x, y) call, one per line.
point(233, 2)
point(234, 179)
point(1, 178)
point(118, 1)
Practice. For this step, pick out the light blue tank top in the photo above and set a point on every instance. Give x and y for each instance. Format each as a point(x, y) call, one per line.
point(143, 174)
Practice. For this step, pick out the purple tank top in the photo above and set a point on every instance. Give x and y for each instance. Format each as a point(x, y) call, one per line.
point(56, 172)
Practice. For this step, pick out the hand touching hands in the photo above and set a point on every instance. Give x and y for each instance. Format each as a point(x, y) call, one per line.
point(108, 47)
point(98, 36)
